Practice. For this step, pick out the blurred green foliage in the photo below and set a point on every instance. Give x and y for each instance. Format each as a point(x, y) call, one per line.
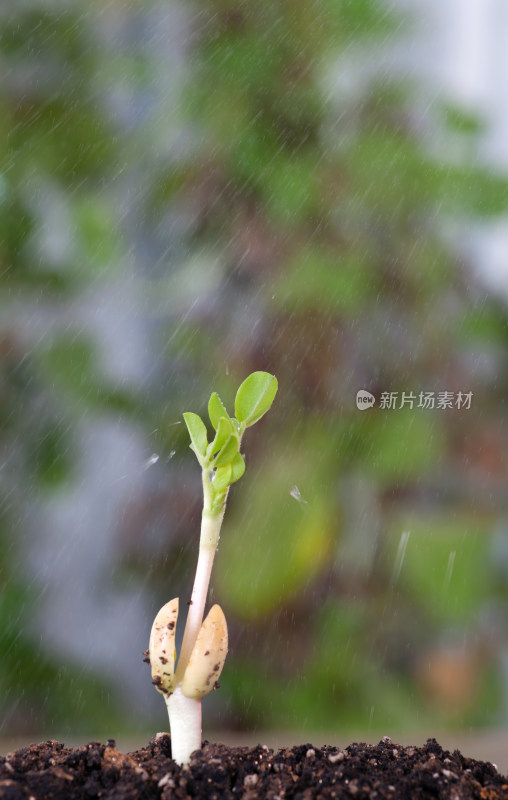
point(279, 224)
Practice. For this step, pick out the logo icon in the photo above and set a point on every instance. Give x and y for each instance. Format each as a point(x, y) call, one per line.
point(364, 399)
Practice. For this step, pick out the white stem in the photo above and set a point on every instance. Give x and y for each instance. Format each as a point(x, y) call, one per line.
point(197, 606)
point(185, 712)
point(185, 724)
point(209, 539)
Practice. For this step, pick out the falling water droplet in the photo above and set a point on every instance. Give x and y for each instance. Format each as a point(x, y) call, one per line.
point(449, 569)
point(399, 559)
point(150, 461)
point(172, 453)
point(295, 492)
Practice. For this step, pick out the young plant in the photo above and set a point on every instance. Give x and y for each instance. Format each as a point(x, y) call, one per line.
point(205, 643)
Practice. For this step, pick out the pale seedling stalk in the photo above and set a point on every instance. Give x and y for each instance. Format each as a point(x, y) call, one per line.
point(205, 643)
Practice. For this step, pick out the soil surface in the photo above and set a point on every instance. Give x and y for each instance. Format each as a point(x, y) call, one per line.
point(217, 772)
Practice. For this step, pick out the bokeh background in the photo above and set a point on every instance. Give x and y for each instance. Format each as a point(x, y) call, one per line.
point(190, 191)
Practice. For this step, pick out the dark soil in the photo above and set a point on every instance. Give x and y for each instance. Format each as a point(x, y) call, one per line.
point(361, 771)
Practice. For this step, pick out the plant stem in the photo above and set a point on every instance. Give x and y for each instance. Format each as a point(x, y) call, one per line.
point(185, 712)
point(210, 531)
point(185, 723)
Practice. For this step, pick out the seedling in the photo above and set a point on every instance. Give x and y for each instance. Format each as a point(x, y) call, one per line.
point(205, 643)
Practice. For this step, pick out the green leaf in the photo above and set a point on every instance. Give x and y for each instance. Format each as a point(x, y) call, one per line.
point(254, 397)
point(237, 467)
point(224, 429)
point(222, 478)
point(216, 410)
point(227, 452)
point(197, 432)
